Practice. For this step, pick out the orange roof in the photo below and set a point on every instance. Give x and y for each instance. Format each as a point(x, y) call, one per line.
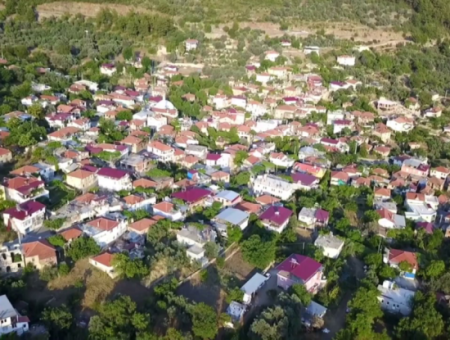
point(220, 174)
point(104, 259)
point(133, 199)
point(25, 169)
point(86, 198)
point(145, 183)
point(103, 224)
point(41, 249)
point(71, 233)
point(248, 207)
point(142, 225)
point(415, 196)
point(160, 146)
point(17, 182)
point(397, 256)
point(383, 192)
point(4, 151)
point(166, 207)
point(267, 199)
point(131, 140)
point(81, 174)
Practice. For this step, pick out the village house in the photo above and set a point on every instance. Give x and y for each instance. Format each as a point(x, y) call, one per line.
point(163, 152)
point(113, 179)
point(389, 220)
point(394, 299)
point(276, 218)
point(195, 239)
point(273, 185)
point(39, 254)
point(21, 189)
point(421, 207)
point(230, 217)
point(280, 159)
point(193, 197)
point(104, 262)
point(220, 160)
point(167, 210)
point(11, 320)
point(191, 44)
point(108, 69)
point(304, 181)
point(440, 172)
point(136, 202)
point(5, 156)
point(330, 245)
point(25, 217)
point(346, 60)
point(299, 269)
point(228, 198)
point(82, 179)
point(403, 260)
point(339, 178)
point(313, 217)
point(105, 230)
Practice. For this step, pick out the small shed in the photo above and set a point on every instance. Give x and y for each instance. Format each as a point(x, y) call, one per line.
point(252, 286)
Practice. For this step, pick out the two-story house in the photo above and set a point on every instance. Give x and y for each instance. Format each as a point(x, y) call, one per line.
point(163, 152)
point(299, 269)
point(82, 179)
point(113, 179)
point(25, 217)
point(403, 260)
point(39, 254)
point(21, 189)
point(167, 210)
point(105, 230)
point(273, 185)
point(276, 218)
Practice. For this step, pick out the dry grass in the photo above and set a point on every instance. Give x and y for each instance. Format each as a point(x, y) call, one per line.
point(238, 267)
point(98, 285)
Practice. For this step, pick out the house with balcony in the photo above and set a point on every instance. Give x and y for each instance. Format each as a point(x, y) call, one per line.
point(113, 179)
point(394, 299)
point(220, 160)
point(312, 218)
point(276, 218)
point(440, 172)
point(11, 321)
point(161, 151)
point(421, 207)
point(11, 258)
point(21, 189)
point(280, 159)
point(25, 217)
point(299, 269)
point(105, 230)
point(137, 202)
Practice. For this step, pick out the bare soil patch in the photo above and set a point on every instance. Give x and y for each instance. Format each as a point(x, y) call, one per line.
point(238, 267)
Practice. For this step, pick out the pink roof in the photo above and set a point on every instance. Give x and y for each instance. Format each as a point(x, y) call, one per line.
point(192, 195)
point(23, 210)
point(300, 266)
point(213, 156)
point(276, 215)
point(113, 173)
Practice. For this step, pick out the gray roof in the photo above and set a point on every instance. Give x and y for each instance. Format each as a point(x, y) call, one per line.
point(316, 309)
point(328, 241)
point(228, 195)
point(6, 308)
point(232, 215)
point(252, 285)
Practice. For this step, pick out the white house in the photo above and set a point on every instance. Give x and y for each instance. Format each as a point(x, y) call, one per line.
point(239, 101)
point(400, 124)
point(11, 321)
point(311, 49)
point(163, 152)
point(273, 185)
point(330, 245)
point(105, 230)
point(103, 262)
point(191, 44)
point(272, 55)
point(421, 208)
point(221, 160)
point(280, 159)
point(394, 299)
point(440, 172)
point(195, 239)
point(167, 210)
point(346, 60)
point(25, 217)
point(108, 69)
point(263, 78)
point(113, 179)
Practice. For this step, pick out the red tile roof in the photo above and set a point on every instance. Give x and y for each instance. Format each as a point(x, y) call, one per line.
point(104, 259)
point(397, 256)
point(71, 233)
point(41, 248)
point(103, 223)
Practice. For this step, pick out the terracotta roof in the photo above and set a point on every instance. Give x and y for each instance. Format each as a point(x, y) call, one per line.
point(71, 233)
point(382, 192)
point(81, 174)
point(397, 256)
point(249, 207)
point(166, 207)
point(267, 199)
point(104, 259)
point(145, 183)
point(133, 199)
point(41, 249)
point(103, 224)
point(142, 225)
point(4, 151)
point(86, 198)
point(27, 169)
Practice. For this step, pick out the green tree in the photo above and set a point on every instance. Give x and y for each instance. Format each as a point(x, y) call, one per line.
point(129, 268)
point(58, 320)
point(258, 252)
point(57, 240)
point(300, 291)
point(435, 269)
point(234, 294)
point(36, 111)
point(204, 321)
point(83, 247)
point(234, 233)
point(211, 250)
